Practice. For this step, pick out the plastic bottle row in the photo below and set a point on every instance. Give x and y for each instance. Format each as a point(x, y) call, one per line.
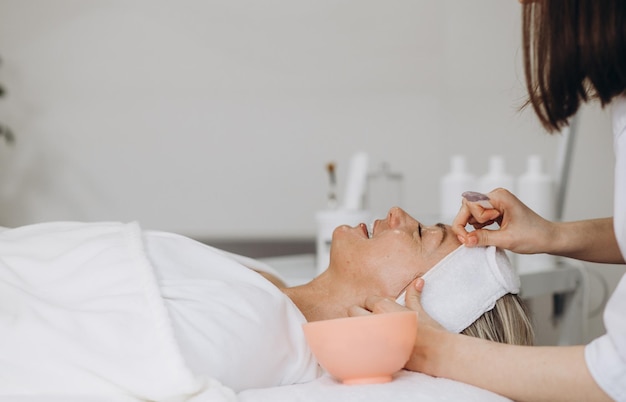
point(534, 187)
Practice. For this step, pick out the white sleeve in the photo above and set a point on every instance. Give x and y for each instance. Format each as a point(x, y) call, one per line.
point(606, 355)
point(619, 144)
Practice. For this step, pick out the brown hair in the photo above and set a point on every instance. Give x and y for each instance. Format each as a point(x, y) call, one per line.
point(574, 50)
point(508, 322)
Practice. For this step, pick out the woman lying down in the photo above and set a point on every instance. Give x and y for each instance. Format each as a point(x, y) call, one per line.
point(110, 309)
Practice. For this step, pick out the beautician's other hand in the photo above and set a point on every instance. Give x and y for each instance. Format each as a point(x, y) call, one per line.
point(379, 305)
point(521, 229)
point(428, 330)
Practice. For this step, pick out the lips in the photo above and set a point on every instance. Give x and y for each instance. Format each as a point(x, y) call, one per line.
point(363, 227)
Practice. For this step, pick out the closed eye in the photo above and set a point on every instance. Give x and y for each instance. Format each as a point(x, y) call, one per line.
point(419, 230)
point(444, 232)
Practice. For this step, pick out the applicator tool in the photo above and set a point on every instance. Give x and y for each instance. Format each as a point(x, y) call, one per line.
point(478, 198)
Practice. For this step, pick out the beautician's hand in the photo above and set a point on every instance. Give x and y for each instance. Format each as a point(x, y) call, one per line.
point(521, 229)
point(428, 333)
point(379, 305)
point(376, 305)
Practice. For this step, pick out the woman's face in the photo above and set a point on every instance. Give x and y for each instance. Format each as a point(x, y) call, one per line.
point(385, 261)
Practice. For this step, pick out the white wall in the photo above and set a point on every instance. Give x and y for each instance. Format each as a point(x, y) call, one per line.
point(216, 118)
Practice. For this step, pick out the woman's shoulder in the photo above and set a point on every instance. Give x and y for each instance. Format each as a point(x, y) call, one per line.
point(227, 317)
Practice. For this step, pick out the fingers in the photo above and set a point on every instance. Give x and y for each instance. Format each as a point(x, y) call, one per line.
point(462, 218)
point(479, 213)
point(377, 304)
point(474, 214)
point(414, 294)
point(483, 237)
point(358, 311)
point(413, 301)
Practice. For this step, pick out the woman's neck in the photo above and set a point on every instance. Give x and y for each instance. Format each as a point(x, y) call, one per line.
point(320, 299)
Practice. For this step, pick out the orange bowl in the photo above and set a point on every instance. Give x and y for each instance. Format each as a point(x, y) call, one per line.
point(363, 350)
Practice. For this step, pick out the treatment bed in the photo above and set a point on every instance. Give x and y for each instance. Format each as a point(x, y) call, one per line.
point(406, 387)
point(83, 318)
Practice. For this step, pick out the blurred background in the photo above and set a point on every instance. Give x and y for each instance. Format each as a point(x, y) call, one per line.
point(216, 119)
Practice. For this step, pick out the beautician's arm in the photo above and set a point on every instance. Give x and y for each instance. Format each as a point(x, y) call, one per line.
point(521, 373)
point(590, 240)
point(523, 231)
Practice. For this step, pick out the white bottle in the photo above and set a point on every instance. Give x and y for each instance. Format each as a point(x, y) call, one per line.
point(496, 176)
point(452, 185)
point(536, 189)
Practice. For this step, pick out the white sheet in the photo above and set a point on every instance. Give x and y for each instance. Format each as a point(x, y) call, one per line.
point(81, 314)
point(230, 322)
point(406, 386)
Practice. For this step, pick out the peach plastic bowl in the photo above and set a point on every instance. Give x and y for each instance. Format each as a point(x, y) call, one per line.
point(363, 350)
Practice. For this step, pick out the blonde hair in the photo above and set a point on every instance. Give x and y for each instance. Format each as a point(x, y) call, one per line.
point(508, 322)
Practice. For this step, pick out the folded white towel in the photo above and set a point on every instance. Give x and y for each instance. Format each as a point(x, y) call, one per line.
point(81, 314)
point(466, 284)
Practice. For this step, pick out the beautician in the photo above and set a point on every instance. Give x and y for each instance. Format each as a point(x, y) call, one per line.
point(574, 51)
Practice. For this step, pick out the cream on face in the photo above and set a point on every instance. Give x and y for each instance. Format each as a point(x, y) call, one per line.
point(395, 251)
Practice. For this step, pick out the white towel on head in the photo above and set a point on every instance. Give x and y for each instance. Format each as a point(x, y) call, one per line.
point(466, 284)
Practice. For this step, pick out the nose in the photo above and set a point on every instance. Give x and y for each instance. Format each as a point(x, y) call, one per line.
point(396, 216)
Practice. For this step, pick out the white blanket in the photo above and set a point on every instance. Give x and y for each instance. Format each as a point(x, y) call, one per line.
point(81, 314)
point(406, 386)
point(86, 316)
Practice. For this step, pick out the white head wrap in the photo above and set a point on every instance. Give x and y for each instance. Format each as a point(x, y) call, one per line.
point(466, 284)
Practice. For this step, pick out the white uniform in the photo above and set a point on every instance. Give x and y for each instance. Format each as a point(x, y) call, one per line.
point(606, 356)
